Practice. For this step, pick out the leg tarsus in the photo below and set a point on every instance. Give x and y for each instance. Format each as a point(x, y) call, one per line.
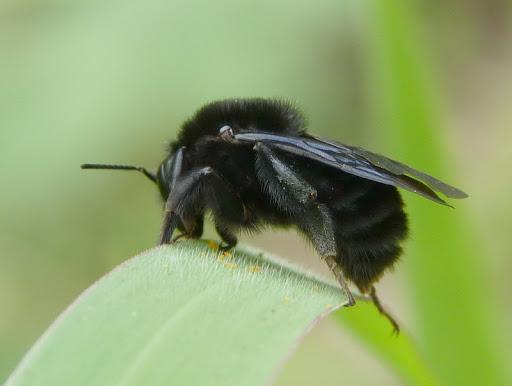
point(228, 239)
point(168, 226)
point(340, 278)
point(375, 299)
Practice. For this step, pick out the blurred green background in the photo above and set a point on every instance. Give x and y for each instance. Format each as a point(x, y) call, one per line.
point(427, 82)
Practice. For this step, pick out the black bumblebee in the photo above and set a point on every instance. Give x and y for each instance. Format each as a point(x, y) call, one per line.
point(251, 164)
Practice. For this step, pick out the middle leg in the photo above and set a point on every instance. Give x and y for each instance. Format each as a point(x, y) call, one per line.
point(229, 239)
point(297, 197)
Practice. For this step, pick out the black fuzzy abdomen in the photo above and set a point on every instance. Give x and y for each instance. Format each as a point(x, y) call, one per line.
point(370, 224)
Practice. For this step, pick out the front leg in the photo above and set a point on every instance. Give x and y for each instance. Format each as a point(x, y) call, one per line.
point(185, 205)
point(195, 192)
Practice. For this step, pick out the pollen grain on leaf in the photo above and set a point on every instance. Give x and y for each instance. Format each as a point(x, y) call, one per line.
point(230, 265)
point(227, 254)
point(213, 245)
point(254, 268)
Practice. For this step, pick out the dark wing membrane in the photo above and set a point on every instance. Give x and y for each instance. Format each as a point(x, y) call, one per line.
point(399, 168)
point(358, 162)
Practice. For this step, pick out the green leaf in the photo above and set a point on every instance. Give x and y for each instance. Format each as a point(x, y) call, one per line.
point(399, 352)
point(180, 315)
point(457, 333)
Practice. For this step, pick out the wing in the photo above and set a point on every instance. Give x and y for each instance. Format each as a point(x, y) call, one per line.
point(357, 161)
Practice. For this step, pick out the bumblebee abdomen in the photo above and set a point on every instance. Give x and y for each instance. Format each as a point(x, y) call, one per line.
point(369, 228)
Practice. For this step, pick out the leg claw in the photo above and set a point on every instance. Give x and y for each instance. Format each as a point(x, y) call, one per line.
point(350, 301)
point(176, 238)
point(225, 248)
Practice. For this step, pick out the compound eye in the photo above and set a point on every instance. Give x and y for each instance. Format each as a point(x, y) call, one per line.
point(226, 133)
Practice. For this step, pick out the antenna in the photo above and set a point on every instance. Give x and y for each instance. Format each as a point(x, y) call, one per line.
point(141, 169)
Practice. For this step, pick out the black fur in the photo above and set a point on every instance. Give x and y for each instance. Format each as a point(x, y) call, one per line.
point(277, 116)
point(367, 217)
point(251, 164)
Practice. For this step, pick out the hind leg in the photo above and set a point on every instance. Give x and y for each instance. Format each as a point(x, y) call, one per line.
point(317, 224)
point(376, 301)
point(296, 196)
point(340, 278)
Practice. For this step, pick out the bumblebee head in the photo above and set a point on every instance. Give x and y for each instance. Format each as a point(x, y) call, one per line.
point(168, 172)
